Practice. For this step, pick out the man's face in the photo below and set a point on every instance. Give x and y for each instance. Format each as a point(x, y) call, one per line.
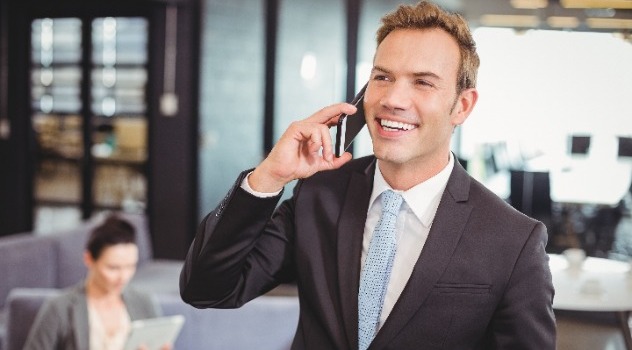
point(411, 102)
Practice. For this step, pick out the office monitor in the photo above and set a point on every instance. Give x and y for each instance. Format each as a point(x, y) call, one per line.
point(579, 145)
point(625, 147)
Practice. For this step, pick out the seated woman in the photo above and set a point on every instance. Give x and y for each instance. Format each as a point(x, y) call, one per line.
point(96, 314)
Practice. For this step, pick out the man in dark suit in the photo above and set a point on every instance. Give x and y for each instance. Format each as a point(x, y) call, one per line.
point(468, 272)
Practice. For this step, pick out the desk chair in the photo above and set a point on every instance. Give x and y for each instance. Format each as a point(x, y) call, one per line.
point(601, 228)
point(530, 193)
point(624, 152)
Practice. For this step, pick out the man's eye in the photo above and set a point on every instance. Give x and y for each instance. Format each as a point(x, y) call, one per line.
point(380, 77)
point(423, 83)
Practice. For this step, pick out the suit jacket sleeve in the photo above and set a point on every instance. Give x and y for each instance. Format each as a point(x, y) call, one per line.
point(524, 319)
point(48, 328)
point(61, 322)
point(240, 251)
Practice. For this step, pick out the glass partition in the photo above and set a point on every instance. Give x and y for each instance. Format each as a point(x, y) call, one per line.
point(115, 120)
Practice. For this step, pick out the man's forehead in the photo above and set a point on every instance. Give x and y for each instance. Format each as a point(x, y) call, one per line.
point(418, 51)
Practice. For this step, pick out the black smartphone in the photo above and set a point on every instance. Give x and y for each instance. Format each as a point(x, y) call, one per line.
point(349, 127)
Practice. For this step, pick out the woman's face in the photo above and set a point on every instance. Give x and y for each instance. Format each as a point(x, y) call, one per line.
point(114, 268)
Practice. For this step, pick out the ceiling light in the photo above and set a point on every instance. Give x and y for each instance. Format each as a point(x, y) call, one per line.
point(308, 66)
point(510, 21)
point(562, 22)
point(609, 23)
point(529, 4)
point(615, 4)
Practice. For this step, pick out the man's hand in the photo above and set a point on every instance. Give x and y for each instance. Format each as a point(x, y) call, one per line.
point(303, 150)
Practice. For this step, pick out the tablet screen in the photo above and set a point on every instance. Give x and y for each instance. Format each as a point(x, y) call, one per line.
point(154, 332)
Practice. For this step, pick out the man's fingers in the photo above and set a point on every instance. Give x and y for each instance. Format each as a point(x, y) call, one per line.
point(325, 115)
point(340, 161)
point(319, 140)
point(328, 148)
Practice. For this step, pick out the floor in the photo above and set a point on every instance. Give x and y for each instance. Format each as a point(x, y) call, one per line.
point(588, 331)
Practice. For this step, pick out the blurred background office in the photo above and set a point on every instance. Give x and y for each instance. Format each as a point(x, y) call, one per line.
point(152, 107)
point(155, 106)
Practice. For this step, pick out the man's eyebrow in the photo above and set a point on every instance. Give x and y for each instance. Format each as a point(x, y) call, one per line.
point(427, 75)
point(381, 69)
point(415, 74)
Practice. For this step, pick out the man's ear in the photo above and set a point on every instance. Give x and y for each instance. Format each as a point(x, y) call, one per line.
point(464, 105)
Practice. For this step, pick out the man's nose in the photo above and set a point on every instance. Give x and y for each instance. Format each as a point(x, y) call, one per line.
point(397, 96)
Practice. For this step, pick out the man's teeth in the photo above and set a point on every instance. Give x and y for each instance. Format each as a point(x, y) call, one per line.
point(393, 125)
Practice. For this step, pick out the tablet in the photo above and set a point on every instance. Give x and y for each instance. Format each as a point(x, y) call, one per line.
point(154, 332)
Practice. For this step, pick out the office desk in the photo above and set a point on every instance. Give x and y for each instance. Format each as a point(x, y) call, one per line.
point(601, 285)
point(599, 185)
point(579, 182)
point(588, 182)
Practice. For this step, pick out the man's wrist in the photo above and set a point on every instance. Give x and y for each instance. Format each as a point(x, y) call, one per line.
point(261, 180)
point(245, 185)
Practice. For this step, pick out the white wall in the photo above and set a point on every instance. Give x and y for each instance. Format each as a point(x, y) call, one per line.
point(538, 87)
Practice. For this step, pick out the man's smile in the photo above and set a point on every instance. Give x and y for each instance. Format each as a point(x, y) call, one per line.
point(391, 125)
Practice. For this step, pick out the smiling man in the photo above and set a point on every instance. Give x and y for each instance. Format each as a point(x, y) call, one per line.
point(399, 250)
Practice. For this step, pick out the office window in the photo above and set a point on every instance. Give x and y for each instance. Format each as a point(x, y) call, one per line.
point(110, 173)
point(56, 78)
point(119, 58)
point(56, 74)
point(311, 66)
point(231, 95)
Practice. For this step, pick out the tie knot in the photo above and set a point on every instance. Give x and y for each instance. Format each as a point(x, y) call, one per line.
point(392, 202)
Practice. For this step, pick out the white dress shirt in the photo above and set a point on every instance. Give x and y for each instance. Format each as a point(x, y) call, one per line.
point(413, 224)
point(99, 337)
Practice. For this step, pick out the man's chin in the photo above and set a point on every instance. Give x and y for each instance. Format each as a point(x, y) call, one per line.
point(390, 156)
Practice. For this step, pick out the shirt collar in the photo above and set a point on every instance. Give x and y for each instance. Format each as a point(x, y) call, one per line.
point(422, 198)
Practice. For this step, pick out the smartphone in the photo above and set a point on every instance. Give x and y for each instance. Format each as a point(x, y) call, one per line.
point(349, 127)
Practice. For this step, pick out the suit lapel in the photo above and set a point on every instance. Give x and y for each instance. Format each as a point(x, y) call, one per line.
point(350, 233)
point(444, 235)
point(80, 318)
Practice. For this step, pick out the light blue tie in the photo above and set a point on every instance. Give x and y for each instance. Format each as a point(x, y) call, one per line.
point(377, 269)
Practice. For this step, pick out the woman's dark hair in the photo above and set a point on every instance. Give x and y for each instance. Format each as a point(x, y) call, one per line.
point(113, 230)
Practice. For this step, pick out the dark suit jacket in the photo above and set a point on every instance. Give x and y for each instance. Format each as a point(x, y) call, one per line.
point(482, 280)
point(62, 322)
